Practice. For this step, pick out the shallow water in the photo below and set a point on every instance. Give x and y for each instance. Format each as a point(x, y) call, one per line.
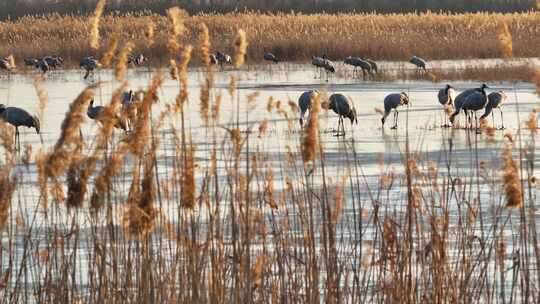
point(459, 150)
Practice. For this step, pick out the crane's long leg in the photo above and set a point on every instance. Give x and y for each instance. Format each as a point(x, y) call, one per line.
point(396, 113)
point(502, 121)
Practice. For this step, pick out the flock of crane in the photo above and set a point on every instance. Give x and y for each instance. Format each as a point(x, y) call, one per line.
point(470, 101)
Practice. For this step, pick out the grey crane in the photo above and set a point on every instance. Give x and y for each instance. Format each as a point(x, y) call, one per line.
point(89, 64)
point(43, 66)
point(446, 97)
point(223, 58)
point(323, 63)
point(304, 103)
point(495, 101)
point(18, 117)
point(318, 62)
point(138, 59)
point(357, 62)
point(53, 62)
point(213, 59)
point(270, 57)
point(374, 66)
point(470, 100)
point(419, 63)
point(393, 101)
point(95, 113)
point(344, 107)
point(31, 61)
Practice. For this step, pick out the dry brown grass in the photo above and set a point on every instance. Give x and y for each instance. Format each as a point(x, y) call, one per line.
point(294, 37)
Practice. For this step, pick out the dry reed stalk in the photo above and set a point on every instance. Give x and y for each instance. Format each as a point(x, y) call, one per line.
point(69, 141)
point(310, 142)
point(216, 109)
point(107, 58)
point(94, 25)
point(338, 200)
point(7, 188)
point(505, 41)
point(122, 64)
point(511, 180)
point(241, 48)
point(263, 128)
point(7, 141)
point(205, 101)
point(173, 69)
point(531, 122)
point(188, 190)
point(233, 83)
point(43, 97)
point(27, 156)
point(432, 76)
point(269, 189)
point(204, 41)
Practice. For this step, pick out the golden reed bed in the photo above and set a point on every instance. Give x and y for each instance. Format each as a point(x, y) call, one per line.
point(292, 37)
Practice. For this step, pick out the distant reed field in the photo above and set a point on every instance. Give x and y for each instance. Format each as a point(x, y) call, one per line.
point(292, 37)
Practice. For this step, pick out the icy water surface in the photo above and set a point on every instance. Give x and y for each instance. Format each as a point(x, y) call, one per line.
point(456, 151)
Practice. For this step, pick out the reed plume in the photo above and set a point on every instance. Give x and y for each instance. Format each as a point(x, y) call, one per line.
point(511, 179)
point(241, 48)
point(122, 64)
point(94, 25)
point(176, 19)
point(140, 213)
point(310, 142)
point(7, 141)
point(69, 141)
point(204, 40)
point(43, 97)
point(173, 69)
point(107, 58)
point(269, 189)
point(505, 41)
point(77, 180)
point(183, 95)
